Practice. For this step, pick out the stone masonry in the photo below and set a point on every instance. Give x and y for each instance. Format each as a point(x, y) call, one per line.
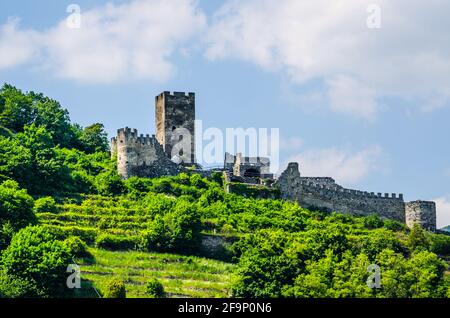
point(175, 120)
point(326, 195)
point(159, 155)
point(423, 213)
point(141, 156)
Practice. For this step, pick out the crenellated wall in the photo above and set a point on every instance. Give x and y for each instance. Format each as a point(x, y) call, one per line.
point(175, 121)
point(337, 198)
point(139, 155)
point(325, 194)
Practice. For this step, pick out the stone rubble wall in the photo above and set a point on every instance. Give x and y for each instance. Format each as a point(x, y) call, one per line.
point(142, 156)
point(422, 213)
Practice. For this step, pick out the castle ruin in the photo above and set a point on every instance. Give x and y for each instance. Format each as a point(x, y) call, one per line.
point(172, 149)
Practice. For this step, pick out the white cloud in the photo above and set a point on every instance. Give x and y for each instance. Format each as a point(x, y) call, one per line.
point(291, 143)
point(115, 42)
point(443, 211)
point(348, 95)
point(345, 166)
point(16, 47)
point(328, 40)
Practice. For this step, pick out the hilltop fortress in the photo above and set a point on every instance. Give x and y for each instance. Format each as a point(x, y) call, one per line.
point(160, 154)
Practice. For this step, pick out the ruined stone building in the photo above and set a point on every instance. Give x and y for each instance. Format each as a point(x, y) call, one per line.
point(161, 154)
point(326, 194)
point(158, 155)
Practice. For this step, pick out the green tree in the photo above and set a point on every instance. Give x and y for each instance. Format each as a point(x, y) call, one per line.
point(36, 256)
point(94, 139)
point(417, 239)
point(16, 206)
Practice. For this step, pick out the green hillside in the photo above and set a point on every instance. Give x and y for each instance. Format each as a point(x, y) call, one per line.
point(182, 276)
point(62, 201)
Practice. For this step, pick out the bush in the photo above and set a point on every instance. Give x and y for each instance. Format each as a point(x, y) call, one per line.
point(109, 183)
point(373, 222)
point(115, 289)
point(138, 185)
point(417, 239)
point(155, 289)
point(35, 256)
point(77, 247)
point(6, 234)
point(440, 244)
point(45, 205)
point(116, 243)
point(16, 206)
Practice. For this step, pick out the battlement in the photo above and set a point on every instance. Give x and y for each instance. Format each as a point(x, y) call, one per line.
point(131, 137)
point(185, 95)
point(339, 190)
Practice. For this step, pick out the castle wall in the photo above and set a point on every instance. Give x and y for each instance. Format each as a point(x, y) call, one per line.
point(422, 213)
point(142, 156)
point(175, 112)
point(351, 201)
point(325, 194)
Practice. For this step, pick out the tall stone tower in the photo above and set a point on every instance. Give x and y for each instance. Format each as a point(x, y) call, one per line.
point(422, 213)
point(175, 125)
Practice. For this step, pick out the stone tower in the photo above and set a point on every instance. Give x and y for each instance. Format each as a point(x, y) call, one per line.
point(139, 155)
point(422, 213)
point(175, 125)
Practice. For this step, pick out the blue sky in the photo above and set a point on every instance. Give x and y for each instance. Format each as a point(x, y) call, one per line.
point(367, 106)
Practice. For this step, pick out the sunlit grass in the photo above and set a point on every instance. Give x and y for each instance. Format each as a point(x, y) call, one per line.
point(182, 276)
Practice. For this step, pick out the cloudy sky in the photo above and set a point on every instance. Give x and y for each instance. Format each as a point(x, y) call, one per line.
point(369, 106)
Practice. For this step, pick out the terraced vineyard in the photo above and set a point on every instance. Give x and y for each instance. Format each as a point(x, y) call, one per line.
point(181, 276)
point(97, 216)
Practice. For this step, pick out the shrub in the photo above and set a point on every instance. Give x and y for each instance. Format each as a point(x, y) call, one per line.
point(116, 242)
point(155, 289)
point(373, 222)
point(138, 185)
point(77, 247)
point(394, 226)
point(6, 234)
point(440, 244)
point(115, 289)
point(109, 183)
point(36, 256)
point(16, 206)
point(46, 204)
point(417, 239)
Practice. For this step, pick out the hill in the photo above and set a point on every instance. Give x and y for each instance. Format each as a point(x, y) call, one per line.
point(62, 200)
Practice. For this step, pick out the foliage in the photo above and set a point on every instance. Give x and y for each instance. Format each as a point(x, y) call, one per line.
point(35, 256)
point(94, 138)
point(116, 243)
point(46, 204)
point(77, 247)
point(417, 239)
point(280, 249)
point(16, 206)
point(155, 289)
point(115, 289)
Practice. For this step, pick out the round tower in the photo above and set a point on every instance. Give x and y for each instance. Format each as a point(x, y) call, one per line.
point(422, 213)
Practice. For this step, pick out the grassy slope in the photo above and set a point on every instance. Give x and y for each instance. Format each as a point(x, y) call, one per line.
point(181, 276)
